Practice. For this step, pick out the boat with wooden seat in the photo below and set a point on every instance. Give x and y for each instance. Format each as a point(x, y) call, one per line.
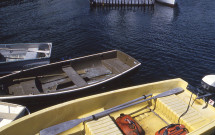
point(152, 114)
point(20, 56)
point(65, 77)
point(10, 112)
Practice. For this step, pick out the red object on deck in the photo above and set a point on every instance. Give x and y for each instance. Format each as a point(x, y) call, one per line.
point(128, 125)
point(172, 129)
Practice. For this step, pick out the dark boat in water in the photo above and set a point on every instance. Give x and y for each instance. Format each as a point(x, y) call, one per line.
point(66, 77)
point(20, 56)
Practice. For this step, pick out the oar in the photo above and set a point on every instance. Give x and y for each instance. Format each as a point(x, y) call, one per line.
point(56, 129)
point(34, 77)
point(129, 102)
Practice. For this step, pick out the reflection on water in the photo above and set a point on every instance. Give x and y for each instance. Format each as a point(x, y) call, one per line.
point(163, 13)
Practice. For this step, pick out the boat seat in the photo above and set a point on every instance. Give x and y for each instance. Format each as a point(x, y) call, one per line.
point(115, 65)
point(31, 53)
point(4, 122)
point(74, 76)
point(9, 112)
point(10, 116)
point(172, 107)
point(102, 126)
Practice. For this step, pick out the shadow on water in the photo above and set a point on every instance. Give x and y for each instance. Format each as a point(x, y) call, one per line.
point(176, 11)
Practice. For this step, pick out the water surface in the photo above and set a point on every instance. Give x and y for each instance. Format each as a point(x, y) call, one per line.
point(169, 42)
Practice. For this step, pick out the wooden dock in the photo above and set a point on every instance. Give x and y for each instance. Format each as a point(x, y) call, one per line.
point(122, 2)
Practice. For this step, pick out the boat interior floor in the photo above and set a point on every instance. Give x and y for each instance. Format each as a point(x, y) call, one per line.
point(151, 116)
point(69, 77)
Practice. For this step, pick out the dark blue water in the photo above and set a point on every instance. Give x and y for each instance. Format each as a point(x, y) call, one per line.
point(169, 42)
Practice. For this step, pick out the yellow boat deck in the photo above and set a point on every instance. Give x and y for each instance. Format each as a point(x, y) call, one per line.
point(151, 115)
point(104, 126)
point(155, 114)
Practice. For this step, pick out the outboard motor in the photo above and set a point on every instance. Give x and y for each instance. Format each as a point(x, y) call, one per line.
point(208, 83)
point(207, 91)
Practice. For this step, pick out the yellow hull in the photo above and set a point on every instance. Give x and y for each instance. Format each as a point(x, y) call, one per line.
point(166, 109)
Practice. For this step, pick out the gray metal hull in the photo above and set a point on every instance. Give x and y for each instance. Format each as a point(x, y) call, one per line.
point(21, 56)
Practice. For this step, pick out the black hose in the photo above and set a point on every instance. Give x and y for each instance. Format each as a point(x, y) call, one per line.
point(187, 108)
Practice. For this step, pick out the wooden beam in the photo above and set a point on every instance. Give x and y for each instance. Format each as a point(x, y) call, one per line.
point(74, 76)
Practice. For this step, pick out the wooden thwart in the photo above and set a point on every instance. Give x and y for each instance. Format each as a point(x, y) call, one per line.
point(74, 76)
point(116, 65)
